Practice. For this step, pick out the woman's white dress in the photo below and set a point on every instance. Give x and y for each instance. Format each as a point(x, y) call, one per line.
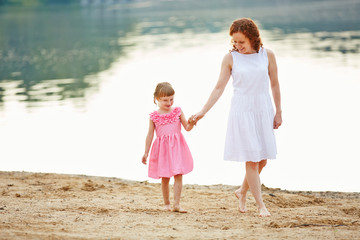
point(250, 134)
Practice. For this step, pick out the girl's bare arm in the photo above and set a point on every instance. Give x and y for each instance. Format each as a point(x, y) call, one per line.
point(148, 141)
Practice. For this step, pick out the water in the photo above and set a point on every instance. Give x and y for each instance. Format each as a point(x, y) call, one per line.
point(76, 84)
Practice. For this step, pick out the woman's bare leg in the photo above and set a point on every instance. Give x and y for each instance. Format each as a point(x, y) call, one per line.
point(253, 179)
point(242, 191)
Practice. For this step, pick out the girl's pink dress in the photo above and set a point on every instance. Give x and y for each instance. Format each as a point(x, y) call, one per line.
point(170, 155)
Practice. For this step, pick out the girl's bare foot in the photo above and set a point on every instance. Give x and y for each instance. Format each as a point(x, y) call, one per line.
point(242, 201)
point(263, 212)
point(179, 209)
point(167, 207)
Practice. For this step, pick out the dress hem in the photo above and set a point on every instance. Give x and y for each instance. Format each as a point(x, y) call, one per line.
point(237, 160)
point(172, 175)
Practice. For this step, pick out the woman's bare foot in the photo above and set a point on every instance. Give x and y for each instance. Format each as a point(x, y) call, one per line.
point(263, 212)
point(242, 201)
point(179, 209)
point(167, 207)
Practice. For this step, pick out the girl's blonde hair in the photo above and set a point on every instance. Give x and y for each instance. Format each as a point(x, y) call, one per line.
point(248, 27)
point(163, 89)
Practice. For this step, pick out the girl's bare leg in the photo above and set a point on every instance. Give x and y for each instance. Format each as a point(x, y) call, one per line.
point(242, 191)
point(253, 179)
point(177, 194)
point(165, 192)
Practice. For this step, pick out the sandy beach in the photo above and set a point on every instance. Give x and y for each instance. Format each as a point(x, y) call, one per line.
point(59, 206)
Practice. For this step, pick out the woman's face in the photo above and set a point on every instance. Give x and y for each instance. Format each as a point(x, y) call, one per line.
point(242, 43)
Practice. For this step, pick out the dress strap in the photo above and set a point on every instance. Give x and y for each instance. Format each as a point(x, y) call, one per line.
point(263, 52)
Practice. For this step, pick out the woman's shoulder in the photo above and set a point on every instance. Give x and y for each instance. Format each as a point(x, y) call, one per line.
point(229, 55)
point(270, 54)
point(228, 58)
point(269, 51)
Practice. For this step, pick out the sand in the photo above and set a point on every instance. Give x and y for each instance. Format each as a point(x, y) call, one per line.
point(59, 206)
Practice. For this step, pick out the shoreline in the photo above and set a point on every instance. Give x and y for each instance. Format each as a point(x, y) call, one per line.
point(351, 194)
point(68, 206)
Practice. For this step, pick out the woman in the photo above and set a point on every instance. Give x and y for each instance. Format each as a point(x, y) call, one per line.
point(250, 135)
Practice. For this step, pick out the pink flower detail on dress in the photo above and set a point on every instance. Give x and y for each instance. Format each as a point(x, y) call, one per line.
point(161, 119)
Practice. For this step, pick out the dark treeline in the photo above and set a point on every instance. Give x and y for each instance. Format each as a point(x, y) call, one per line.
point(58, 2)
point(34, 2)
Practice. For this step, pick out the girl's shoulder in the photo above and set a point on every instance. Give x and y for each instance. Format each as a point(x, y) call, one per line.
point(164, 118)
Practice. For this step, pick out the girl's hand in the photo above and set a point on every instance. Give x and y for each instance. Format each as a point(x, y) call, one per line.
point(144, 158)
point(197, 116)
point(277, 120)
point(191, 121)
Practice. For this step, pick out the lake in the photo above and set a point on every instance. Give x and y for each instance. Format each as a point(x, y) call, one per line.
point(76, 85)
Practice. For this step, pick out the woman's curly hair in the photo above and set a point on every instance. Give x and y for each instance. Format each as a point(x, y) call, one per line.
point(248, 27)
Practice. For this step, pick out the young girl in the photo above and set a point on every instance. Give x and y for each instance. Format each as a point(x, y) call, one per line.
point(170, 156)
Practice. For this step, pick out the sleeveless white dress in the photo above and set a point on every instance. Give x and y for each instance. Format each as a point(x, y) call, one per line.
point(250, 134)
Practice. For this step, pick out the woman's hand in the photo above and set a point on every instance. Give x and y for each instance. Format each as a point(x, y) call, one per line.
point(195, 118)
point(277, 120)
point(191, 120)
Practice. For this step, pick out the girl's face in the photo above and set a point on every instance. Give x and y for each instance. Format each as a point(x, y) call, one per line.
point(165, 103)
point(242, 43)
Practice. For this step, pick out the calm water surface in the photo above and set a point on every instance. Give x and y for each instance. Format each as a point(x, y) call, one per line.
point(76, 84)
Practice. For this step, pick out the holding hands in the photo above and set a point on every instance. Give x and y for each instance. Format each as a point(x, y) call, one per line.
point(195, 118)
